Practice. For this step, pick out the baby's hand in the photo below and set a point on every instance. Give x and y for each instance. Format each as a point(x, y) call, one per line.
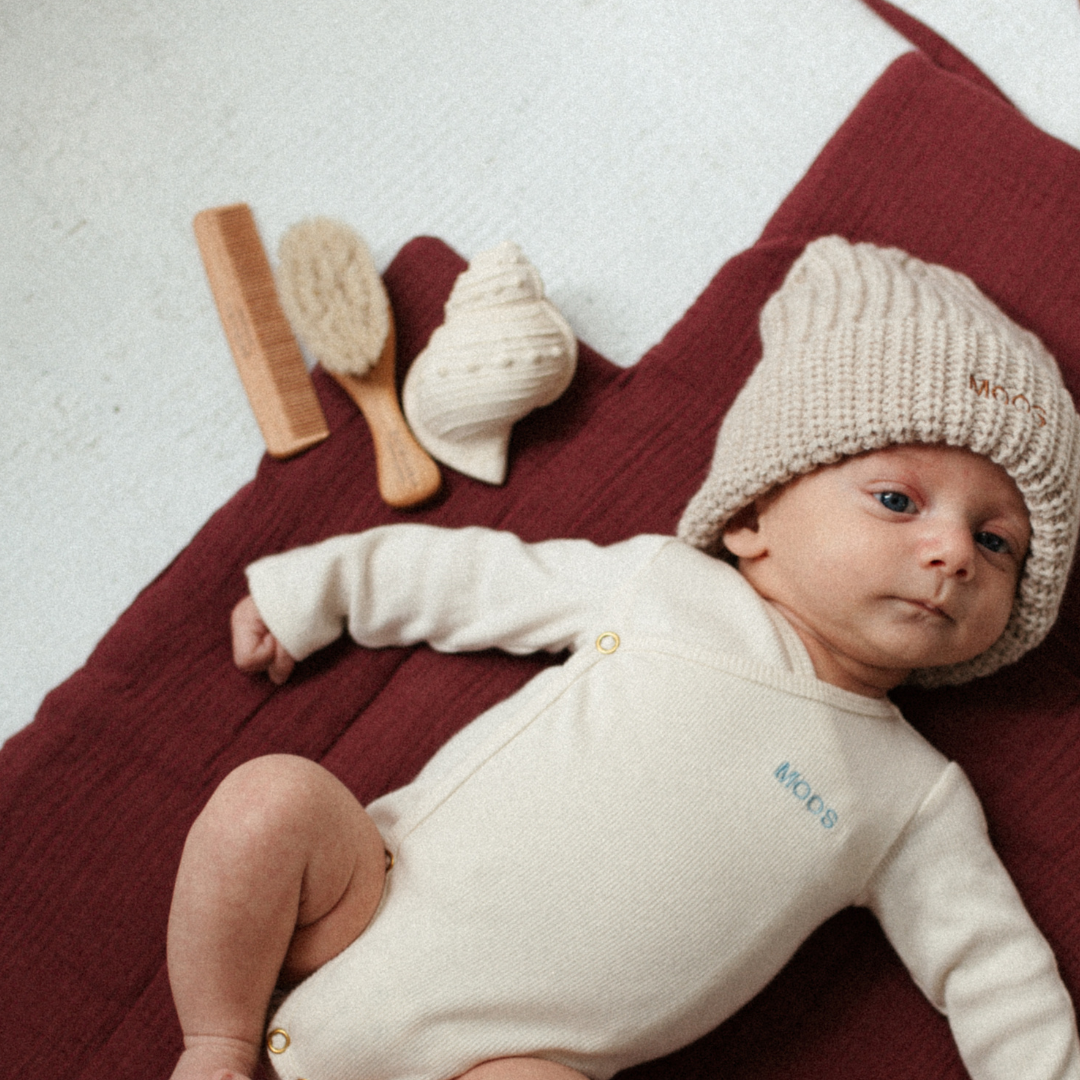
point(254, 647)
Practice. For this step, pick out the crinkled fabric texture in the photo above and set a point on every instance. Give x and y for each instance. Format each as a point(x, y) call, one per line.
point(97, 794)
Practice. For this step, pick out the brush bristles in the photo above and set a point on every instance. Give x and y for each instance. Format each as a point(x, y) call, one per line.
point(333, 295)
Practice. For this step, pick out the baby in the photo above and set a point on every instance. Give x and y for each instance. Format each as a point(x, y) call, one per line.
point(609, 863)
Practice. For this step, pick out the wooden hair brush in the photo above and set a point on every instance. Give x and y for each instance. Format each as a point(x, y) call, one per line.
point(337, 304)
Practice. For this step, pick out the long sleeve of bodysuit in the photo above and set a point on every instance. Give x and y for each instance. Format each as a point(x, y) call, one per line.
point(456, 589)
point(951, 911)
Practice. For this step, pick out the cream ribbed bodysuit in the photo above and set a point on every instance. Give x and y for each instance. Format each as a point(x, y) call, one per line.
point(609, 863)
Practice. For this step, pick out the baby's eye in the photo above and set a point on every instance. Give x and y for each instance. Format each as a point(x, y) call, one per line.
point(896, 501)
point(992, 542)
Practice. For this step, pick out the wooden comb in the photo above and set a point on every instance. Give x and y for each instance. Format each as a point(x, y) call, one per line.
point(267, 356)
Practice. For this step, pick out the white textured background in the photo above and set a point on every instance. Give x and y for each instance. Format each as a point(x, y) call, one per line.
point(630, 147)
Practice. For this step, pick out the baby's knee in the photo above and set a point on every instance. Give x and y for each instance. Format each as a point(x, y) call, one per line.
point(269, 796)
point(521, 1068)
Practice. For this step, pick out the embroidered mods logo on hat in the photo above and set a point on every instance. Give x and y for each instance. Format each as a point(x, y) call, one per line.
point(866, 347)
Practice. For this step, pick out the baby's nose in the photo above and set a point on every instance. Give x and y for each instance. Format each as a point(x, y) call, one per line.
point(952, 549)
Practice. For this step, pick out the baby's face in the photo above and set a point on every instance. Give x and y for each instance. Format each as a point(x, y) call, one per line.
point(902, 558)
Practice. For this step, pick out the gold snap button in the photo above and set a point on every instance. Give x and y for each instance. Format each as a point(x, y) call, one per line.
point(277, 1042)
point(607, 642)
point(389, 856)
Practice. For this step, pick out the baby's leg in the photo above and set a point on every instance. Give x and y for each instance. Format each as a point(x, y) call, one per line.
point(521, 1068)
point(281, 870)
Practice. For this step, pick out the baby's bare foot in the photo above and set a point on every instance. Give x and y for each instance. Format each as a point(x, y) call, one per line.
point(214, 1058)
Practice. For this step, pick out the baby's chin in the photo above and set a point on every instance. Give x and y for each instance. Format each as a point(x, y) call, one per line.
point(903, 662)
point(886, 668)
point(924, 638)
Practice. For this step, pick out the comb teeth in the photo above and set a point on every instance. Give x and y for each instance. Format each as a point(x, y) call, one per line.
point(267, 356)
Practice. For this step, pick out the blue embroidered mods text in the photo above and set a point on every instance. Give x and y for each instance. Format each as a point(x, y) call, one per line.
point(801, 788)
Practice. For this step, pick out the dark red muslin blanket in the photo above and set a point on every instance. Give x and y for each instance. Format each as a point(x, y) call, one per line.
point(97, 794)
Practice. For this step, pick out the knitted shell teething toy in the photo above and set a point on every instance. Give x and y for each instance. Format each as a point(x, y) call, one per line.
point(503, 351)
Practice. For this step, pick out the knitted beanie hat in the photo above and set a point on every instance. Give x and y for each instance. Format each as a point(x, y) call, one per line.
point(867, 347)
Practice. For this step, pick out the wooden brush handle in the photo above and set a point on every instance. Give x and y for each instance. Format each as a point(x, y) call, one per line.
point(406, 473)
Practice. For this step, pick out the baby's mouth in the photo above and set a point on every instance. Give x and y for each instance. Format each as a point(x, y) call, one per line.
point(931, 608)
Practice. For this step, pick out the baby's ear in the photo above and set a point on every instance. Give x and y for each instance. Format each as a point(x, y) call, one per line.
point(741, 534)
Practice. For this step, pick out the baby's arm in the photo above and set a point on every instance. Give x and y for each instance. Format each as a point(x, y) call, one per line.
point(457, 589)
point(254, 647)
point(950, 909)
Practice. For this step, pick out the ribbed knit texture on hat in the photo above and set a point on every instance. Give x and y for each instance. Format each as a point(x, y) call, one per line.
point(866, 347)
